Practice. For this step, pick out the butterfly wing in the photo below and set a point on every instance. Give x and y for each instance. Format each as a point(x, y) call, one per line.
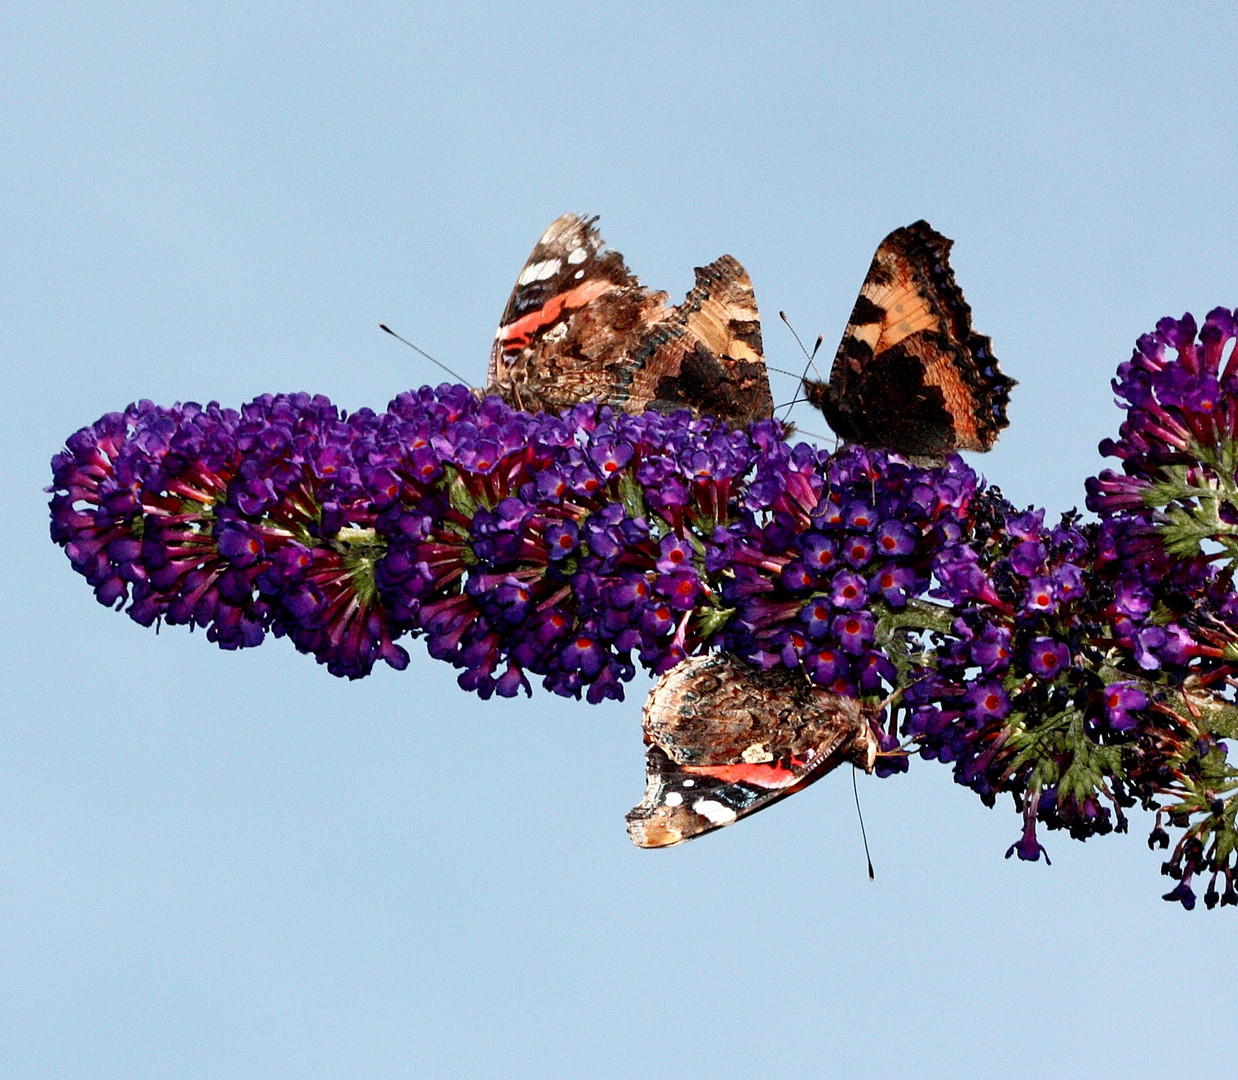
point(726, 739)
point(707, 356)
point(910, 373)
point(570, 320)
point(580, 326)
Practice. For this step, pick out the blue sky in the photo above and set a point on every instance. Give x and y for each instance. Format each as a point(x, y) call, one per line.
point(218, 864)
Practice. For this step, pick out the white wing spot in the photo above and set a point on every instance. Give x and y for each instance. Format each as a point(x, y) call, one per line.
point(578, 275)
point(756, 754)
point(539, 271)
point(717, 813)
point(577, 255)
point(673, 799)
point(689, 783)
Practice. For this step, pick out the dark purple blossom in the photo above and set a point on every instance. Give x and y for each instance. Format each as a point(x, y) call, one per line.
point(1123, 702)
point(848, 590)
point(1046, 657)
point(987, 701)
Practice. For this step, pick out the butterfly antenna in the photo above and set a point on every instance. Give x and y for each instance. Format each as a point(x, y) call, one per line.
point(893, 699)
point(855, 788)
point(782, 371)
point(811, 357)
point(417, 349)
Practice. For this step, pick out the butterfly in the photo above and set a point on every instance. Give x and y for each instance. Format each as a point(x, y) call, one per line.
point(726, 739)
point(911, 374)
point(580, 326)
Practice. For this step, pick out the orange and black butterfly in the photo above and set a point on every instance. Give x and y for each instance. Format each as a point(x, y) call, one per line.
point(911, 374)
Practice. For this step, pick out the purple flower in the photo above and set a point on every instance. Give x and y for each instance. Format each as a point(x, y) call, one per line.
point(894, 584)
point(561, 539)
point(1027, 558)
point(991, 649)
point(848, 590)
point(854, 631)
point(826, 666)
point(961, 576)
point(858, 551)
point(681, 590)
point(583, 653)
point(674, 554)
point(1028, 847)
point(1046, 657)
point(1121, 701)
point(1040, 599)
point(819, 552)
point(816, 616)
point(894, 538)
point(1183, 894)
point(987, 701)
point(796, 577)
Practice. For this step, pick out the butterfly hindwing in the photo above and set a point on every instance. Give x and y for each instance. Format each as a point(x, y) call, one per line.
point(726, 739)
point(708, 355)
point(910, 373)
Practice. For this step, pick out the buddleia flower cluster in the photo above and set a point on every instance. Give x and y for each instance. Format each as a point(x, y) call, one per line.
point(1082, 668)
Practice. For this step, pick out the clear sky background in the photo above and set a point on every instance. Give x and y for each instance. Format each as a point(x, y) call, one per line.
point(233, 865)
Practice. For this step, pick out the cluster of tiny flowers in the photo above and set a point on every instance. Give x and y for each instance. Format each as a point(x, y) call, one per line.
point(1036, 694)
point(571, 547)
point(1080, 668)
point(1170, 519)
point(1166, 551)
point(243, 522)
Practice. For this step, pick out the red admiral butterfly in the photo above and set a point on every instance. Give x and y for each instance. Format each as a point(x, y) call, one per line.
point(910, 374)
point(727, 739)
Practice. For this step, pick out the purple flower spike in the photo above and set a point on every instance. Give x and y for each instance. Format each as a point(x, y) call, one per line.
point(1080, 668)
